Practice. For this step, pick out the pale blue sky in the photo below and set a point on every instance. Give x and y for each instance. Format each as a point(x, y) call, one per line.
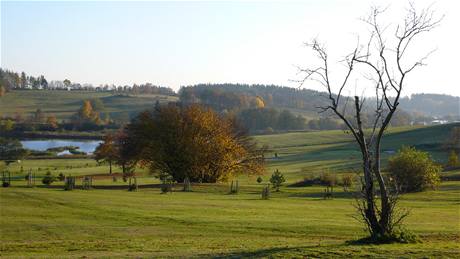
point(182, 43)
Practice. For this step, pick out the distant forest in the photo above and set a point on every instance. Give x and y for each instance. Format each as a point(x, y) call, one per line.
point(261, 108)
point(285, 107)
point(438, 105)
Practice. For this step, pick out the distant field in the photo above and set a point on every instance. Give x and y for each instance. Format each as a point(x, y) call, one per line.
point(209, 223)
point(64, 104)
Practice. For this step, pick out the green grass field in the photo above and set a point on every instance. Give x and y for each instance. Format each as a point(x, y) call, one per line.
point(208, 222)
point(63, 104)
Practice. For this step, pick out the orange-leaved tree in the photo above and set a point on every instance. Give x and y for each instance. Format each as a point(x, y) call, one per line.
point(192, 142)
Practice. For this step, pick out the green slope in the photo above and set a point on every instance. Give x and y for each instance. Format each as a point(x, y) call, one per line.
point(304, 153)
point(64, 104)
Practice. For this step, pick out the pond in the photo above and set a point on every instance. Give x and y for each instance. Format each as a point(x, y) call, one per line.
point(87, 146)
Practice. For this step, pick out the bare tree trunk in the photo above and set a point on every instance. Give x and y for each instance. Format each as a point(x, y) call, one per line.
point(388, 73)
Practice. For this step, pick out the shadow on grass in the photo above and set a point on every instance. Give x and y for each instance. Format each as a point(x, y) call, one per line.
point(321, 195)
point(301, 251)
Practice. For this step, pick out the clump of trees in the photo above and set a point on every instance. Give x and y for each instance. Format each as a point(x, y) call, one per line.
point(10, 80)
point(414, 170)
point(193, 142)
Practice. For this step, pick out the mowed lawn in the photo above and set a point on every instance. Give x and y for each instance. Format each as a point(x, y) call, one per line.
point(209, 222)
point(41, 222)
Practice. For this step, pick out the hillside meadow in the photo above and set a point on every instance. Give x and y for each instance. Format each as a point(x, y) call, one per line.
point(63, 104)
point(109, 222)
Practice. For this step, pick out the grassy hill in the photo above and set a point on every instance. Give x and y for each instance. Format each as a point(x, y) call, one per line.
point(209, 223)
point(64, 104)
point(304, 153)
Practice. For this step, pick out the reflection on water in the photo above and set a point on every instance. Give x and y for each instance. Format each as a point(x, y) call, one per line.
point(87, 146)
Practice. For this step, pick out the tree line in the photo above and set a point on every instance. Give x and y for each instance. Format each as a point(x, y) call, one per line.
point(10, 80)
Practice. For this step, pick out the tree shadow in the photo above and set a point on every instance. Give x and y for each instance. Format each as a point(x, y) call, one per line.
point(269, 252)
point(321, 195)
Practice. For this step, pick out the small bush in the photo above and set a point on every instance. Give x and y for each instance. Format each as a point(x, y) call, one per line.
point(259, 179)
point(48, 179)
point(269, 130)
point(414, 170)
point(61, 177)
point(165, 188)
point(277, 180)
point(398, 236)
point(328, 179)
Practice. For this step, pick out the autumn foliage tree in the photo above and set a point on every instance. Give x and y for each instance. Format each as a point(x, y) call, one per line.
point(52, 122)
point(107, 151)
point(86, 117)
point(192, 142)
point(87, 113)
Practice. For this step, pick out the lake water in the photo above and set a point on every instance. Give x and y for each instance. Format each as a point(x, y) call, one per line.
point(87, 146)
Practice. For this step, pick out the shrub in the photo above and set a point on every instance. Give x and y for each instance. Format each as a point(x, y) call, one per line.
point(277, 180)
point(61, 177)
point(413, 170)
point(167, 182)
point(259, 179)
point(48, 178)
point(328, 179)
point(165, 188)
point(269, 130)
point(399, 235)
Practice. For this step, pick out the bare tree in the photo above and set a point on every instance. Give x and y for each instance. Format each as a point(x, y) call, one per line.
point(387, 73)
